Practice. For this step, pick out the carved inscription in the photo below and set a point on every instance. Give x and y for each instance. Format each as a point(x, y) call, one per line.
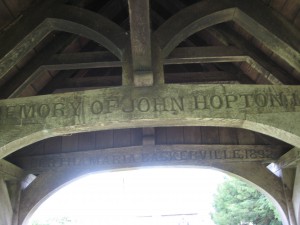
point(137, 156)
point(189, 101)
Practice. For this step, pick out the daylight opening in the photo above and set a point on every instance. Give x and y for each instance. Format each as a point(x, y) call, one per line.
point(179, 196)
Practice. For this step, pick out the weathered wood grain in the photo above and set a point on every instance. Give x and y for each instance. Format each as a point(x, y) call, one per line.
point(271, 110)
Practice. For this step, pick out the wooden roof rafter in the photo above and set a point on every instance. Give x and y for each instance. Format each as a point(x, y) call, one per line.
point(70, 19)
point(220, 12)
point(284, 41)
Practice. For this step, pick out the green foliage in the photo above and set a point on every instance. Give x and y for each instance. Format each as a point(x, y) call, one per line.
point(236, 203)
point(53, 221)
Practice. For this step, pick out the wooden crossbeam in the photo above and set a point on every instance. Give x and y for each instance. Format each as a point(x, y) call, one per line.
point(143, 155)
point(84, 83)
point(211, 54)
point(256, 59)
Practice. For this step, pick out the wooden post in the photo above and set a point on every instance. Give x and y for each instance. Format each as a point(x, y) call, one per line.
point(296, 194)
point(140, 34)
point(287, 180)
point(14, 189)
point(6, 213)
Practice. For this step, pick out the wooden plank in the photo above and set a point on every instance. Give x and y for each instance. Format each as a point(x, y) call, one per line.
point(106, 81)
point(148, 136)
point(86, 141)
point(9, 171)
point(53, 145)
point(192, 135)
point(70, 143)
point(228, 135)
point(122, 138)
point(101, 81)
point(160, 135)
point(82, 60)
point(210, 54)
point(140, 35)
point(245, 137)
point(200, 77)
point(174, 135)
point(289, 159)
point(136, 135)
point(104, 139)
point(159, 154)
point(210, 135)
point(180, 55)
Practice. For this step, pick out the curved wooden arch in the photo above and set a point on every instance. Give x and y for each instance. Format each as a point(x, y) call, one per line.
point(59, 18)
point(274, 31)
point(34, 195)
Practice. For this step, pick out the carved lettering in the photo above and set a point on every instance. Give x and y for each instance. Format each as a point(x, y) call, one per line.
point(76, 108)
point(177, 103)
point(58, 109)
point(43, 110)
point(200, 99)
point(11, 112)
point(96, 107)
point(261, 100)
point(128, 108)
point(230, 99)
point(143, 105)
point(112, 104)
point(295, 99)
point(206, 102)
point(279, 99)
point(162, 156)
point(246, 99)
point(27, 111)
point(160, 104)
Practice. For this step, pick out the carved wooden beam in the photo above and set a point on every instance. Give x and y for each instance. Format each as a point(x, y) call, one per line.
point(143, 155)
point(268, 109)
point(140, 34)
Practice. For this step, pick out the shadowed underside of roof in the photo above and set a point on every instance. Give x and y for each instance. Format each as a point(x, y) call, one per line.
point(51, 47)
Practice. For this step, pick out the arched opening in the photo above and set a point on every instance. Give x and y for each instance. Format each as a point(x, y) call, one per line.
point(169, 195)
